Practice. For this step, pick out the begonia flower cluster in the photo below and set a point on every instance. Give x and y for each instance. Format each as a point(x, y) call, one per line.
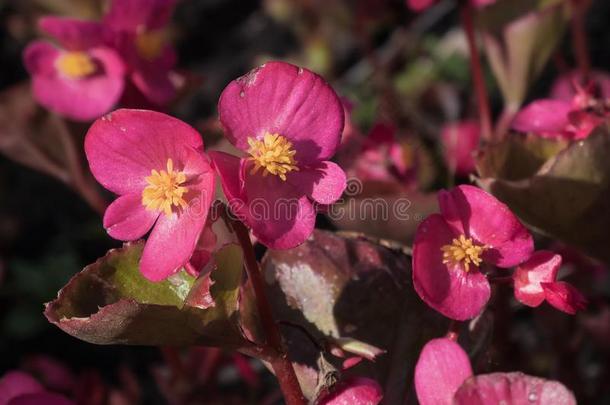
point(91, 65)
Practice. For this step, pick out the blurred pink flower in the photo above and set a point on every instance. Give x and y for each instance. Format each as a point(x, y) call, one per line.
point(354, 391)
point(83, 78)
point(460, 140)
point(420, 5)
point(156, 164)
point(19, 388)
point(566, 86)
point(535, 281)
point(138, 31)
point(289, 121)
point(449, 248)
point(383, 158)
point(574, 118)
point(443, 376)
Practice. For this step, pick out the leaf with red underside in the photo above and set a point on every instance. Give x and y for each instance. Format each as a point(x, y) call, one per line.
point(110, 302)
point(339, 287)
point(567, 197)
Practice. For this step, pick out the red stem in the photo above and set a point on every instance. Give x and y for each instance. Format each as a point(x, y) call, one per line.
point(280, 363)
point(579, 40)
point(476, 70)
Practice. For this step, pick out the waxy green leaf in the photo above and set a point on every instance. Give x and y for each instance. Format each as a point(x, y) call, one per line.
point(110, 302)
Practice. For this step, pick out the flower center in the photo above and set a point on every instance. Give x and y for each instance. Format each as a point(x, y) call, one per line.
point(463, 250)
point(150, 44)
point(165, 190)
point(274, 154)
point(76, 65)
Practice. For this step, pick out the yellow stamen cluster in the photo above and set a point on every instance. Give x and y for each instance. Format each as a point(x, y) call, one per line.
point(274, 154)
point(150, 44)
point(463, 250)
point(76, 65)
point(165, 190)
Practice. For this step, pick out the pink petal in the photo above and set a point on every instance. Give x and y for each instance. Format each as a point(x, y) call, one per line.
point(419, 5)
point(479, 215)
point(441, 369)
point(282, 98)
point(450, 290)
point(540, 268)
point(482, 3)
point(354, 391)
point(123, 147)
point(39, 58)
point(127, 219)
point(173, 239)
point(279, 215)
point(545, 117)
point(512, 388)
point(42, 398)
point(564, 297)
point(129, 15)
point(228, 168)
point(460, 141)
point(323, 183)
point(79, 99)
point(15, 383)
point(73, 34)
point(154, 83)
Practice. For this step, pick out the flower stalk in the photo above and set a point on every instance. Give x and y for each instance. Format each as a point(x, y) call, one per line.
point(579, 40)
point(478, 80)
point(280, 363)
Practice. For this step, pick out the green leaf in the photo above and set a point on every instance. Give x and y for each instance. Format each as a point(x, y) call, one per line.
point(110, 302)
point(568, 197)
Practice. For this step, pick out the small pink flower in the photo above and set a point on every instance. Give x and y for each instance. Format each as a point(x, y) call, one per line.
point(564, 297)
point(288, 121)
point(542, 267)
point(443, 376)
point(440, 370)
point(138, 32)
point(155, 163)
point(535, 281)
point(354, 391)
point(83, 78)
point(460, 140)
point(449, 248)
point(567, 119)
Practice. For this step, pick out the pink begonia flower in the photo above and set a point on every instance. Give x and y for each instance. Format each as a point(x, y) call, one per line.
point(512, 388)
point(535, 281)
point(420, 5)
point(138, 31)
point(83, 78)
point(443, 376)
point(472, 228)
point(566, 86)
point(19, 388)
point(288, 121)
point(542, 267)
point(460, 140)
point(558, 118)
point(564, 297)
point(440, 370)
point(354, 391)
point(155, 164)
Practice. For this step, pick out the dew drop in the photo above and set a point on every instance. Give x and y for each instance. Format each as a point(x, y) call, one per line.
point(532, 397)
point(300, 71)
point(242, 94)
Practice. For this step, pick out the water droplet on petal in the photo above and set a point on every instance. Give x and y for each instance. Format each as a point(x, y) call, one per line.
point(532, 397)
